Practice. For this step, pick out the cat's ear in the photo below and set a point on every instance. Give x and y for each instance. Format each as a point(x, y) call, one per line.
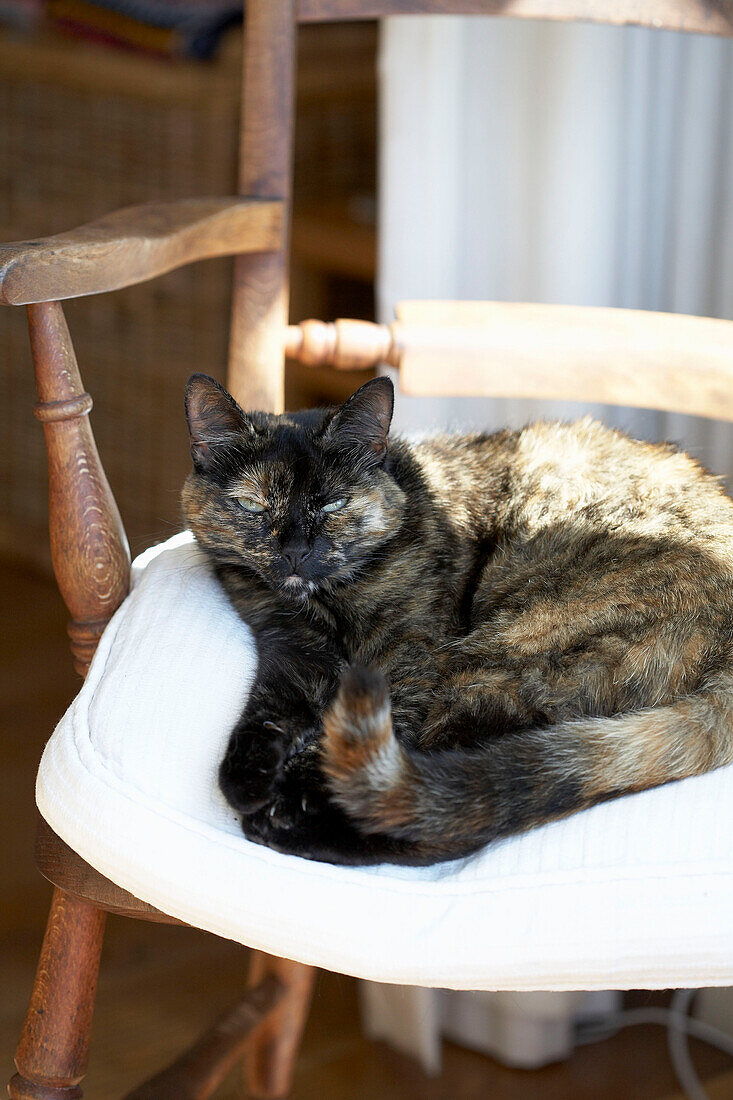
point(362, 423)
point(214, 419)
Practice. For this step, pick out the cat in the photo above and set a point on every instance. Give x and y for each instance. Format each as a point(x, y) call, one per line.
point(461, 638)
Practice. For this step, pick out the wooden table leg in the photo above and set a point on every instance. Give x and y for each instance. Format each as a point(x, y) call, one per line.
point(269, 1059)
point(53, 1050)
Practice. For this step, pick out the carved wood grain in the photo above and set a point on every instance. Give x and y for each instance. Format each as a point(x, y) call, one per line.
point(135, 244)
point(260, 299)
point(343, 344)
point(54, 1047)
point(698, 16)
point(89, 549)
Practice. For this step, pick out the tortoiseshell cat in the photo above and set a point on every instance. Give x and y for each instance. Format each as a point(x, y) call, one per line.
point(460, 638)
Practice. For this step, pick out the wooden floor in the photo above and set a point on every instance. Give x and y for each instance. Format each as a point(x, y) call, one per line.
point(160, 985)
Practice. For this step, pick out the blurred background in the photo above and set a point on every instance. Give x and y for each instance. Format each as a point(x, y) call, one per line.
point(500, 159)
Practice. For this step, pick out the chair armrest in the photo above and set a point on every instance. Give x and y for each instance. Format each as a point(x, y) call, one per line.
point(135, 244)
point(630, 357)
point(699, 16)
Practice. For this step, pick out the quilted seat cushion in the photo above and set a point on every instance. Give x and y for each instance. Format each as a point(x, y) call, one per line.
point(634, 893)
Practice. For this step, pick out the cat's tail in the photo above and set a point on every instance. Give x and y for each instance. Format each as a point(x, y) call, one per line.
point(450, 802)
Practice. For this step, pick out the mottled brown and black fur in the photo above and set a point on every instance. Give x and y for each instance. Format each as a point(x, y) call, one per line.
point(460, 638)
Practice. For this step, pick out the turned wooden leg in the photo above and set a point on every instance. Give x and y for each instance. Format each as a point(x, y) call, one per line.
point(53, 1050)
point(269, 1059)
point(201, 1069)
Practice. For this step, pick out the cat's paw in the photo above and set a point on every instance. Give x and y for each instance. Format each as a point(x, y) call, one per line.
point(254, 759)
point(298, 805)
point(299, 795)
point(301, 819)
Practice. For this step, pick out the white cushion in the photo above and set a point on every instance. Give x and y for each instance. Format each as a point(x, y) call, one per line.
point(634, 893)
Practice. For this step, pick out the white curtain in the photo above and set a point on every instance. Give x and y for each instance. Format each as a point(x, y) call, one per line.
point(554, 163)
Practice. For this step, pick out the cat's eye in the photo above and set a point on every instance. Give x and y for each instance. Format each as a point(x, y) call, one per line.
point(250, 505)
point(334, 505)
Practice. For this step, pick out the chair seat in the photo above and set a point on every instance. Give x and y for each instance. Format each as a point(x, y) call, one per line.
point(633, 893)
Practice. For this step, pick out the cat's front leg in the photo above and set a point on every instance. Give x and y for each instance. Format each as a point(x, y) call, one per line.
point(297, 675)
point(259, 746)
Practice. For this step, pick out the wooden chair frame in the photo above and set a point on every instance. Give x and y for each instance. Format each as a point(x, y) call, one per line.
point(89, 548)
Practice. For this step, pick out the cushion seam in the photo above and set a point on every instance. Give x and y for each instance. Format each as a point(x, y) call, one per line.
point(192, 824)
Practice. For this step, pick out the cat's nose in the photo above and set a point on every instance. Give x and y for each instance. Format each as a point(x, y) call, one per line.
point(295, 553)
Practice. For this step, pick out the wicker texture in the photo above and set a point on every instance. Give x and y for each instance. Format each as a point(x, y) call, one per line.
point(120, 130)
point(67, 156)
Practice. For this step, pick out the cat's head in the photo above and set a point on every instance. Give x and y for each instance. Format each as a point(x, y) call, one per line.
point(303, 499)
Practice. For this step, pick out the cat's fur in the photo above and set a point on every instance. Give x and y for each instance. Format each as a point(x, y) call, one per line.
point(493, 631)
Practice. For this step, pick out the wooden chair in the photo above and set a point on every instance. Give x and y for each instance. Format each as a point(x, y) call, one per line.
point(616, 356)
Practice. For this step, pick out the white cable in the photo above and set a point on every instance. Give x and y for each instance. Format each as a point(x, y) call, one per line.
point(630, 1016)
point(679, 1046)
point(679, 1025)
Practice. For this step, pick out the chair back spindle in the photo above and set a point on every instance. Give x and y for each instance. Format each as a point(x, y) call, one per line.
point(89, 548)
point(261, 290)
